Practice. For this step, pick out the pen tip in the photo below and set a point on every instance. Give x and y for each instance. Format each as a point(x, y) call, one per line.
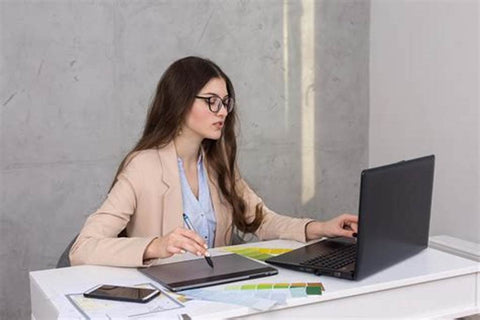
point(209, 261)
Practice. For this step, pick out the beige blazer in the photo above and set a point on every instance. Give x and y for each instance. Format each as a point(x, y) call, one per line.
point(147, 201)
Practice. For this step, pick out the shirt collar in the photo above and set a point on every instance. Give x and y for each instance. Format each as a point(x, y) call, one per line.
point(199, 160)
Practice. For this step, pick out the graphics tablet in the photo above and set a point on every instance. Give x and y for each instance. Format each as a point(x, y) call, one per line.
point(197, 273)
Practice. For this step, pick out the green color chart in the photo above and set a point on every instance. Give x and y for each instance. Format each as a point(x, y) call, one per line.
point(297, 289)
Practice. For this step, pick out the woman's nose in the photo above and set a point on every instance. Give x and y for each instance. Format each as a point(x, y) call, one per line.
point(223, 111)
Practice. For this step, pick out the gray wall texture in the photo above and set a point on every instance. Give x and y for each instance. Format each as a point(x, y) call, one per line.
point(424, 99)
point(77, 76)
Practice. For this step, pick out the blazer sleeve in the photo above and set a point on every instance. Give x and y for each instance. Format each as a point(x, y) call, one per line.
point(274, 225)
point(97, 242)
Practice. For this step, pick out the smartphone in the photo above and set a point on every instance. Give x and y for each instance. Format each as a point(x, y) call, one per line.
point(130, 294)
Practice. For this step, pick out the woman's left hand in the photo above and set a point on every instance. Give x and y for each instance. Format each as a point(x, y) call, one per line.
point(345, 225)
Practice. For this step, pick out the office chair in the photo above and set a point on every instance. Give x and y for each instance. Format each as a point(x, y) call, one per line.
point(64, 260)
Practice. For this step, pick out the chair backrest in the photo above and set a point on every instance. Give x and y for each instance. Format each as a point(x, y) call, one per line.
point(64, 260)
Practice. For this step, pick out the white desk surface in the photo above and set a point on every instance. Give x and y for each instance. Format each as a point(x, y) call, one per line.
point(431, 284)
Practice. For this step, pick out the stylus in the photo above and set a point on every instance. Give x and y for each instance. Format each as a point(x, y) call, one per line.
point(190, 226)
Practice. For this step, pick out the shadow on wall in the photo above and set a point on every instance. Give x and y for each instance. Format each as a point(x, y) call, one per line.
point(318, 152)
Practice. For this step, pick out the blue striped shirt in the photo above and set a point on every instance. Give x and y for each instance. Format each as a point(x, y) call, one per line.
point(200, 211)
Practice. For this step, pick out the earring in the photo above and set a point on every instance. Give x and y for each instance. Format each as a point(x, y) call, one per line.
point(179, 132)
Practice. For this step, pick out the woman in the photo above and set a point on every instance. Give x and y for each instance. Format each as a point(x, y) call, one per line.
point(185, 162)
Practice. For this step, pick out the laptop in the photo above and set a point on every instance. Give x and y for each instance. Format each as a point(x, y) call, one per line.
point(394, 220)
point(197, 273)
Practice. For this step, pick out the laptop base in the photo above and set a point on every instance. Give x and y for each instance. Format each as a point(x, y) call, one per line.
point(294, 259)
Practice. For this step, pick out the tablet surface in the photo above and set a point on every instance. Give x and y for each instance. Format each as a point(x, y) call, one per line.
point(197, 273)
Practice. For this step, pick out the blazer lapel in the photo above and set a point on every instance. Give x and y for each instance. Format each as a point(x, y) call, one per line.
point(172, 200)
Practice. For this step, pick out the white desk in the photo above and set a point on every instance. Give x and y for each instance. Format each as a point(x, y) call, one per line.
point(432, 284)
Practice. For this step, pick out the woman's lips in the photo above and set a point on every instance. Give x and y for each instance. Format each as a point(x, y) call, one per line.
point(218, 125)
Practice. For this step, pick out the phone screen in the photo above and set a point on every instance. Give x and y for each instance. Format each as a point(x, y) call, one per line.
point(113, 292)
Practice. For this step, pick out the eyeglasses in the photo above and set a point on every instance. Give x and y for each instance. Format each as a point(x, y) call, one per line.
point(215, 103)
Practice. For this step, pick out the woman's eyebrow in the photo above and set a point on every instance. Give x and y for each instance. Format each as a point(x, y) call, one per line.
point(214, 94)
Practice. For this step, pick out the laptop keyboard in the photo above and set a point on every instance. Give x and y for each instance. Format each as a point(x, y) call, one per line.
point(335, 259)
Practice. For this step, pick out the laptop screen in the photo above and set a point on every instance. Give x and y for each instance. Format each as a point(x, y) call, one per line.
point(394, 213)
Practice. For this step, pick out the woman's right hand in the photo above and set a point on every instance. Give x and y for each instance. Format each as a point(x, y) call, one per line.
point(179, 240)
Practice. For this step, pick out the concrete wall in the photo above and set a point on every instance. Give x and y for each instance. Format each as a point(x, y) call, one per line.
point(424, 90)
point(77, 76)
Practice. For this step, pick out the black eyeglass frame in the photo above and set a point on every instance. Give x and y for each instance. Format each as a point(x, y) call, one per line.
point(227, 102)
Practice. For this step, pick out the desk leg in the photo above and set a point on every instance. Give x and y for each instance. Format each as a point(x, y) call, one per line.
point(478, 290)
point(42, 307)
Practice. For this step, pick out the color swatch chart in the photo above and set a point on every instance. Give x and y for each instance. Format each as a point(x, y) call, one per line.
point(256, 252)
point(260, 296)
point(300, 289)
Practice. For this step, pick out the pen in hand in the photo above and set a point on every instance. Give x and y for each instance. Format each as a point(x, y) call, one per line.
point(190, 226)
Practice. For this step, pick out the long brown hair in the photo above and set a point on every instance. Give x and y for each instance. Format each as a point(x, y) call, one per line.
point(174, 97)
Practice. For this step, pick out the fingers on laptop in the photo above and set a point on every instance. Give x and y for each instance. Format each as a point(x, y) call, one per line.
point(348, 225)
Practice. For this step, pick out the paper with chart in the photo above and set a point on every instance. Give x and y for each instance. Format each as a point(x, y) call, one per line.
point(258, 253)
point(109, 309)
